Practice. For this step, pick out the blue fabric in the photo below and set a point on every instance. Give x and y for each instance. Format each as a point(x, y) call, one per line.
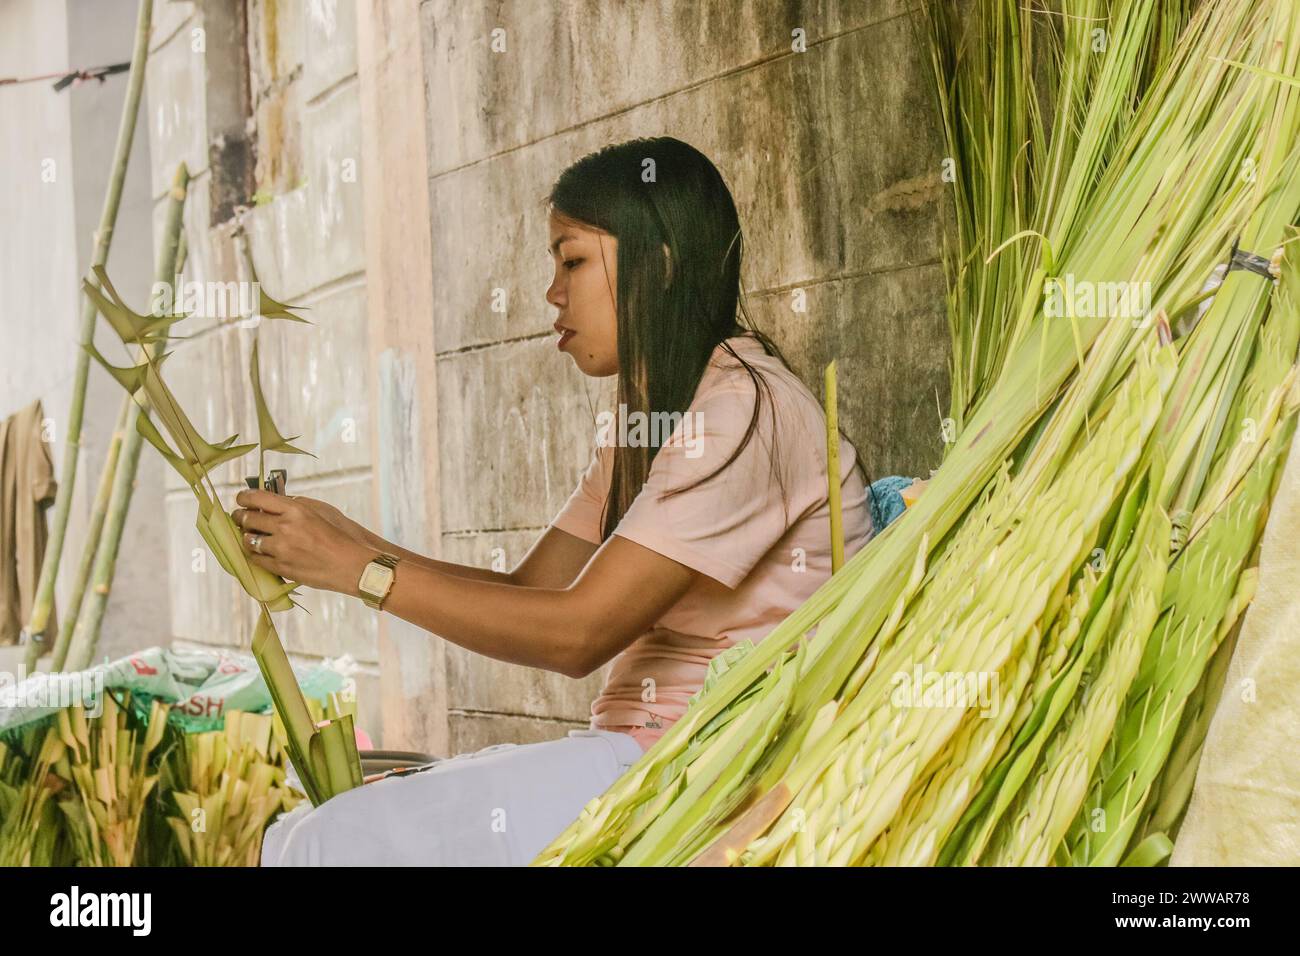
point(887, 500)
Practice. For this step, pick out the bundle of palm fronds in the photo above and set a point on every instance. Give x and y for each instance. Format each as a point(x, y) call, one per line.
point(29, 821)
point(125, 787)
point(1017, 669)
point(107, 764)
point(227, 785)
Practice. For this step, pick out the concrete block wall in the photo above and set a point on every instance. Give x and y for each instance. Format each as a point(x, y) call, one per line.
point(833, 155)
point(259, 99)
point(830, 148)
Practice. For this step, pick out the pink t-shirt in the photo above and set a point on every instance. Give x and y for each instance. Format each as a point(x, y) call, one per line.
point(761, 550)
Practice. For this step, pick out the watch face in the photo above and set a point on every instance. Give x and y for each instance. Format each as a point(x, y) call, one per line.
point(376, 578)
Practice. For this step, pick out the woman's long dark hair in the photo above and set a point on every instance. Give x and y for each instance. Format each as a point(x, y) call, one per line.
point(672, 312)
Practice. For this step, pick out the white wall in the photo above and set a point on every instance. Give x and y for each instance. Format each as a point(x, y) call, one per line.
point(55, 155)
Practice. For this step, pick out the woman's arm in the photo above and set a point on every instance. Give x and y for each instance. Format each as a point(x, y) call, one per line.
point(572, 629)
point(554, 560)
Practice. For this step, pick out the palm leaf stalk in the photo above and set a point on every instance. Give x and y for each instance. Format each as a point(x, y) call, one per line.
point(1208, 594)
point(43, 602)
point(988, 123)
point(934, 812)
point(1018, 174)
point(1163, 812)
point(1220, 619)
point(1156, 753)
point(1241, 334)
point(1139, 223)
point(1198, 594)
point(99, 513)
point(324, 754)
point(1257, 409)
point(888, 743)
point(1238, 333)
point(833, 468)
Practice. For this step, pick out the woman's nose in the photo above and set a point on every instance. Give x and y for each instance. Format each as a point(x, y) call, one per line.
point(554, 294)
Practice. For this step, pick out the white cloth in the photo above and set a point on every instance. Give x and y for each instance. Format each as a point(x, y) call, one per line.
point(499, 806)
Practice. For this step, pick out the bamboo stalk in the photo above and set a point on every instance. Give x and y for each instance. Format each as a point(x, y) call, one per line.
point(93, 531)
point(34, 632)
point(85, 637)
point(833, 470)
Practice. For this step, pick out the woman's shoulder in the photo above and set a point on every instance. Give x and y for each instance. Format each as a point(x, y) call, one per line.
point(761, 406)
point(740, 369)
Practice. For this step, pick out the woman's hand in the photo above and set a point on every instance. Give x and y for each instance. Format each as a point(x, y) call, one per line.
point(335, 517)
point(913, 491)
point(298, 543)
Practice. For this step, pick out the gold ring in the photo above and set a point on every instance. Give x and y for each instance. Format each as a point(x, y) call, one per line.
point(256, 543)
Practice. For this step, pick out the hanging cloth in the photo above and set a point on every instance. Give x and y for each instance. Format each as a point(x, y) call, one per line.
point(27, 488)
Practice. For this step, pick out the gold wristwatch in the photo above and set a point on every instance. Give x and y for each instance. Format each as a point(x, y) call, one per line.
point(377, 580)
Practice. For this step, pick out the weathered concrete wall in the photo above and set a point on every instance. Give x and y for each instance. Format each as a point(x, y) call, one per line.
point(833, 157)
point(403, 370)
point(830, 151)
point(260, 101)
point(56, 149)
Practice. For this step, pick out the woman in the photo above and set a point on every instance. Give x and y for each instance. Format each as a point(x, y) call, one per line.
point(701, 521)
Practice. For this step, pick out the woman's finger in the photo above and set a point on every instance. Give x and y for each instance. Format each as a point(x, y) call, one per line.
point(261, 545)
point(263, 501)
point(258, 521)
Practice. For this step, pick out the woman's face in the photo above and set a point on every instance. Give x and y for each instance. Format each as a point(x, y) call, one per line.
point(586, 275)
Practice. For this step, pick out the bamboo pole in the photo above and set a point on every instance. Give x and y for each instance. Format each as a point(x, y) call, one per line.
point(85, 637)
point(69, 620)
point(34, 632)
point(833, 469)
point(93, 532)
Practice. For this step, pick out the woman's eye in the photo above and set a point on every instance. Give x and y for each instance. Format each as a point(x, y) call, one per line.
point(572, 264)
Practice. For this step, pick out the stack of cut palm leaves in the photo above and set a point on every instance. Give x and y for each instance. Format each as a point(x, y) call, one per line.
point(78, 786)
point(29, 818)
point(325, 756)
point(106, 763)
point(227, 785)
point(122, 786)
point(1021, 668)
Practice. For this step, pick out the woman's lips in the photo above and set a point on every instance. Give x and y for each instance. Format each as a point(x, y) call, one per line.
point(565, 335)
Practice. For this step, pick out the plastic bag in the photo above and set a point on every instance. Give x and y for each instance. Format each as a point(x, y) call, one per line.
point(201, 685)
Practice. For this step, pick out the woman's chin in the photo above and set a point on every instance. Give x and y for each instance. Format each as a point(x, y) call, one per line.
point(593, 366)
